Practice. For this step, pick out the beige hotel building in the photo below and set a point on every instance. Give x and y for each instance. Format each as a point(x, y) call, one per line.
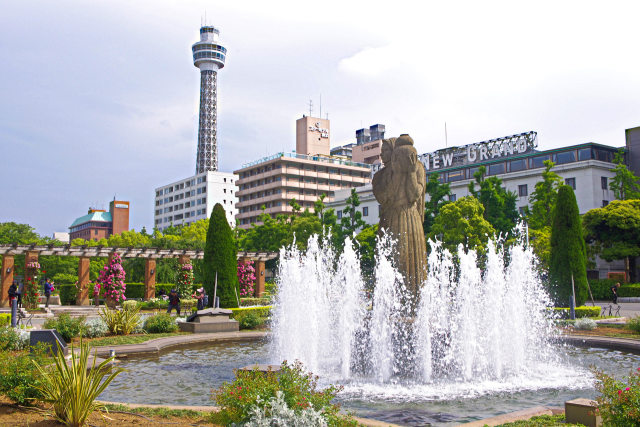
point(305, 175)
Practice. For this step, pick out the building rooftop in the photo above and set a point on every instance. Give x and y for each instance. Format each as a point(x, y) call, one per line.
point(93, 216)
point(323, 159)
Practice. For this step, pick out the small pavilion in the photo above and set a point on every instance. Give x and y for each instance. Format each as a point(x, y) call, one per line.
point(84, 253)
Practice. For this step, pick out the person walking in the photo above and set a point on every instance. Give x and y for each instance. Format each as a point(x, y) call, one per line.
point(13, 301)
point(174, 301)
point(614, 290)
point(19, 292)
point(48, 288)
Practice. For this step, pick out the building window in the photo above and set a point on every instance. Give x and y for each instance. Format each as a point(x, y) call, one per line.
point(566, 157)
point(496, 169)
point(365, 211)
point(605, 203)
point(95, 232)
point(339, 214)
point(522, 210)
point(517, 165)
point(571, 182)
point(452, 197)
point(604, 183)
point(523, 191)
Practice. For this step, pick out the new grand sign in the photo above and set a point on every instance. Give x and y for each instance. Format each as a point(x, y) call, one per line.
point(480, 152)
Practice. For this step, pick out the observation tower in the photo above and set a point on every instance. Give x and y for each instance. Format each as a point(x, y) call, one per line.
point(208, 56)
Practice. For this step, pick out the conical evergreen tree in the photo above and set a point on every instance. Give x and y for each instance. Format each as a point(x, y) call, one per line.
point(568, 250)
point(220, 256)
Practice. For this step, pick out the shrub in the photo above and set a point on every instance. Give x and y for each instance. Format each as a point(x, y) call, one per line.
point(634, 324)
point(153, 303)
point(188, 304)
point(111, 280)
point(94, 328)
point(13, 339)
point(631, 290)
point(255, 389)
point(582, 311)
point(134, 290)
point(619, 402)
point(276, 412)
point(19, 377)
point(68, 294)
point(129, 305)
point(585, 324)
point(5, 319)
point(250, 302)
point(601, 288)
point(270, 288)
point(121, 322)
point(160, 323)
point(68, 327)
point(184, 282)
point(248, 320)
point(263, 311)
point(220, 258)
point(64, 279)
point(72, 388)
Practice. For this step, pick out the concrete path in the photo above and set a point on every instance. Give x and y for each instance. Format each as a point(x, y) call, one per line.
point(511, 417)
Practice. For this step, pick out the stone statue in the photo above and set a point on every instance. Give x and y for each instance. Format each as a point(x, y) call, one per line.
point(400, 188)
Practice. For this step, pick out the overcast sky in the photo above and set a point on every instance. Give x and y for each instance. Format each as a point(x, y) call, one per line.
point(99, 98)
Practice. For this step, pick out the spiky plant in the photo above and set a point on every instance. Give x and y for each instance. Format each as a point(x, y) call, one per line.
point(72, 388)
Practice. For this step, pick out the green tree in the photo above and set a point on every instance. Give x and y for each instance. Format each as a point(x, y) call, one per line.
point(540, 215)
point(305, 225)
point(220, 257)
point(462, 222)
point(351, 220)
point(499, 204)
point(23, 234)
point(196, 232)
point(625, 184)
point(270, 235)
point(366, 240)
point(438, 195)
point(543, 198)
point(614, 230)
point(327, 217)
point(568, 250)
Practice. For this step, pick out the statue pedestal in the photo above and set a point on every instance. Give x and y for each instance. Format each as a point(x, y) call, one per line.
point(210, 320)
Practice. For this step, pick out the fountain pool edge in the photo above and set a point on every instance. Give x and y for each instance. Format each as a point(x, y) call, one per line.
point(620, 344)
point(157, 345)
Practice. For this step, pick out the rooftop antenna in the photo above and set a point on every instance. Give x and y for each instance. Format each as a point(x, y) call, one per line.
point(310, 108)
point(320, 106)
point(445, 135)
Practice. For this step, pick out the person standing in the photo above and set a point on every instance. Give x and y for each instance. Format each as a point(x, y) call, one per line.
point(19, 292)
point(48, 288)
point(174, 302)
point(200, 296)
point(614, 290)
point(13, 301)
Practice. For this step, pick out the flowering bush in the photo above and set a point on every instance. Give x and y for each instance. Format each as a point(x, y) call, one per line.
point(292, 387)
point(31, 292)
point(619, 403)
point(246, 277)
point(184, 284)
point(111, 280)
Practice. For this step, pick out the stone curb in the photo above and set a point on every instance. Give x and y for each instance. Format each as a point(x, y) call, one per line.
point(156, 345)
point(623, 344)
point(523, 414)
point(364, 421)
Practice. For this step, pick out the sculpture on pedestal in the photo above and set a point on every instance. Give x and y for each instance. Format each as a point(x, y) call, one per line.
point(400, 188)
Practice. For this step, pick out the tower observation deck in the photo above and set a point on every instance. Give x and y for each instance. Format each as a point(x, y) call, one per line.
point(209, 56)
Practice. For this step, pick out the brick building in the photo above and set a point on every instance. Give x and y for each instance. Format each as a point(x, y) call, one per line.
point(99, 224)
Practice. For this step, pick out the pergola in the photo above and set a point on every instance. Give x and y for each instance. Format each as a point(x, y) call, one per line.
point(84, 253)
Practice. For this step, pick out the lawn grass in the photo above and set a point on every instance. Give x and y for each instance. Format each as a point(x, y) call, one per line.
point(126, 339)
point(161, 412)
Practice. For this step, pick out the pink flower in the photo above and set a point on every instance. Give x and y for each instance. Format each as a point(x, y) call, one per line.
point(627, 389)
point(619, 392)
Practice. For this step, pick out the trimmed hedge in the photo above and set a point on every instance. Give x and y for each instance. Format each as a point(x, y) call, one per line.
point(135, 290)
point(246, 302)
point(68, 294)
point(263, 311)
point(5, 319)
point(582, 311)
point(630, 290)
point(601, 288)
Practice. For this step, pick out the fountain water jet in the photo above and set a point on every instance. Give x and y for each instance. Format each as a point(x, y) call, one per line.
point(471, 324)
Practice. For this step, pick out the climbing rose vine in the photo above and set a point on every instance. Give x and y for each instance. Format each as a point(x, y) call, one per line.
point(246, 277)
point(111, 280)
point(184, 284)
point(31, 294)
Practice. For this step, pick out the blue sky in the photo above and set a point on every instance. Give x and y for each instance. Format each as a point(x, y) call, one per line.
point(99, 98)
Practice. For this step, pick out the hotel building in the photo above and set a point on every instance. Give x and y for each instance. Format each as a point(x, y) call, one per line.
point(274, 181)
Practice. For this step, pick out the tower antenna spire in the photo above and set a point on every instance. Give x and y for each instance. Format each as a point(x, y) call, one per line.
point(320, 106)
point(310, 108)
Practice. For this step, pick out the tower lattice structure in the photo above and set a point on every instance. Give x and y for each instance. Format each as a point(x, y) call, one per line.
point(209, 56)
